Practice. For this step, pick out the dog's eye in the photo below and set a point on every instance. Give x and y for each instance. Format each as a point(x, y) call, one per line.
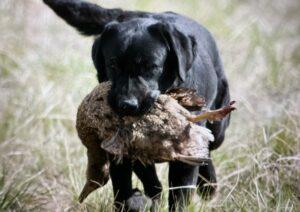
point(113, 67)
point(152, 73)
point(113, 64)
point(152, 66)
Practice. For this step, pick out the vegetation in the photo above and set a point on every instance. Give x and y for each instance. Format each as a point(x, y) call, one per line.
point(46, 70)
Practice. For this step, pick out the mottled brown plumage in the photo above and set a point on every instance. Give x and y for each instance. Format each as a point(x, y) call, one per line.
point(164, 134)
point(187, 98)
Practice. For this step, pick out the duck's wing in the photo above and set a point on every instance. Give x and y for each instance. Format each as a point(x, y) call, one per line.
point(113, 145)
point(187, 98)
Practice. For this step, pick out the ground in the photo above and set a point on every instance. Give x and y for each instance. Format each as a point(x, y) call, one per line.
point(46, 70)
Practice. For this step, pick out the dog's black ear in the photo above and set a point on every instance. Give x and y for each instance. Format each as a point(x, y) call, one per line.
point(87, 18)
point(181, 45)
point(97, 54)
point(98, 60)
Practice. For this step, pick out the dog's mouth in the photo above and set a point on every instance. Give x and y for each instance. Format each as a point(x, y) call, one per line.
point(141, 110)
point(142, 106)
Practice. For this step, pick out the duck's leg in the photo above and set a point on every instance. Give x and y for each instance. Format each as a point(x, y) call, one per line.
point(213, 115)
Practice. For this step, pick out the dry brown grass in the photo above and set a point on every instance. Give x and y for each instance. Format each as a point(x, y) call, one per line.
point(46, 70)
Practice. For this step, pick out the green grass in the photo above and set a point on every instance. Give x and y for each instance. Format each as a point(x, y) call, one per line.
point(46, 70)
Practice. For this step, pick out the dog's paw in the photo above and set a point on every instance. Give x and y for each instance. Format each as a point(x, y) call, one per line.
point(138, 202)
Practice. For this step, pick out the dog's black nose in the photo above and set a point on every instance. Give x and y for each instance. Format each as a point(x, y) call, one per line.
point(129, 106)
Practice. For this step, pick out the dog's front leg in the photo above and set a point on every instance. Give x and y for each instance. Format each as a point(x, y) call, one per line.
point(120, 173)
point(126, 198)
point(182, 183)
point(153, 188)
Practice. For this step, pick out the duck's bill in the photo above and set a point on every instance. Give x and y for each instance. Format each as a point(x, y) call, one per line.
point(88, 188)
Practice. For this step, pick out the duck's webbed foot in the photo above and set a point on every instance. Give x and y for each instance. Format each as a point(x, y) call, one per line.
point(213, 115)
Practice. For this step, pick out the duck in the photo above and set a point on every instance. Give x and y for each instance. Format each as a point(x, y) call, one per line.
point(167, 132)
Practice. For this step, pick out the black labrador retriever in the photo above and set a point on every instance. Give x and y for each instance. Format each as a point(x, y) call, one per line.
point(144, 54)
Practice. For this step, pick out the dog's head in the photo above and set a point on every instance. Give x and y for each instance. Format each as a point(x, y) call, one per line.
point(142, 59)
point(141, 56)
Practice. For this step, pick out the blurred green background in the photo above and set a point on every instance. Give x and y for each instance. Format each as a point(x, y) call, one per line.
point(46, 70)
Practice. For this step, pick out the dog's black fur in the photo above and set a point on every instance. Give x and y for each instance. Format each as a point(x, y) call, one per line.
point(145, 54)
